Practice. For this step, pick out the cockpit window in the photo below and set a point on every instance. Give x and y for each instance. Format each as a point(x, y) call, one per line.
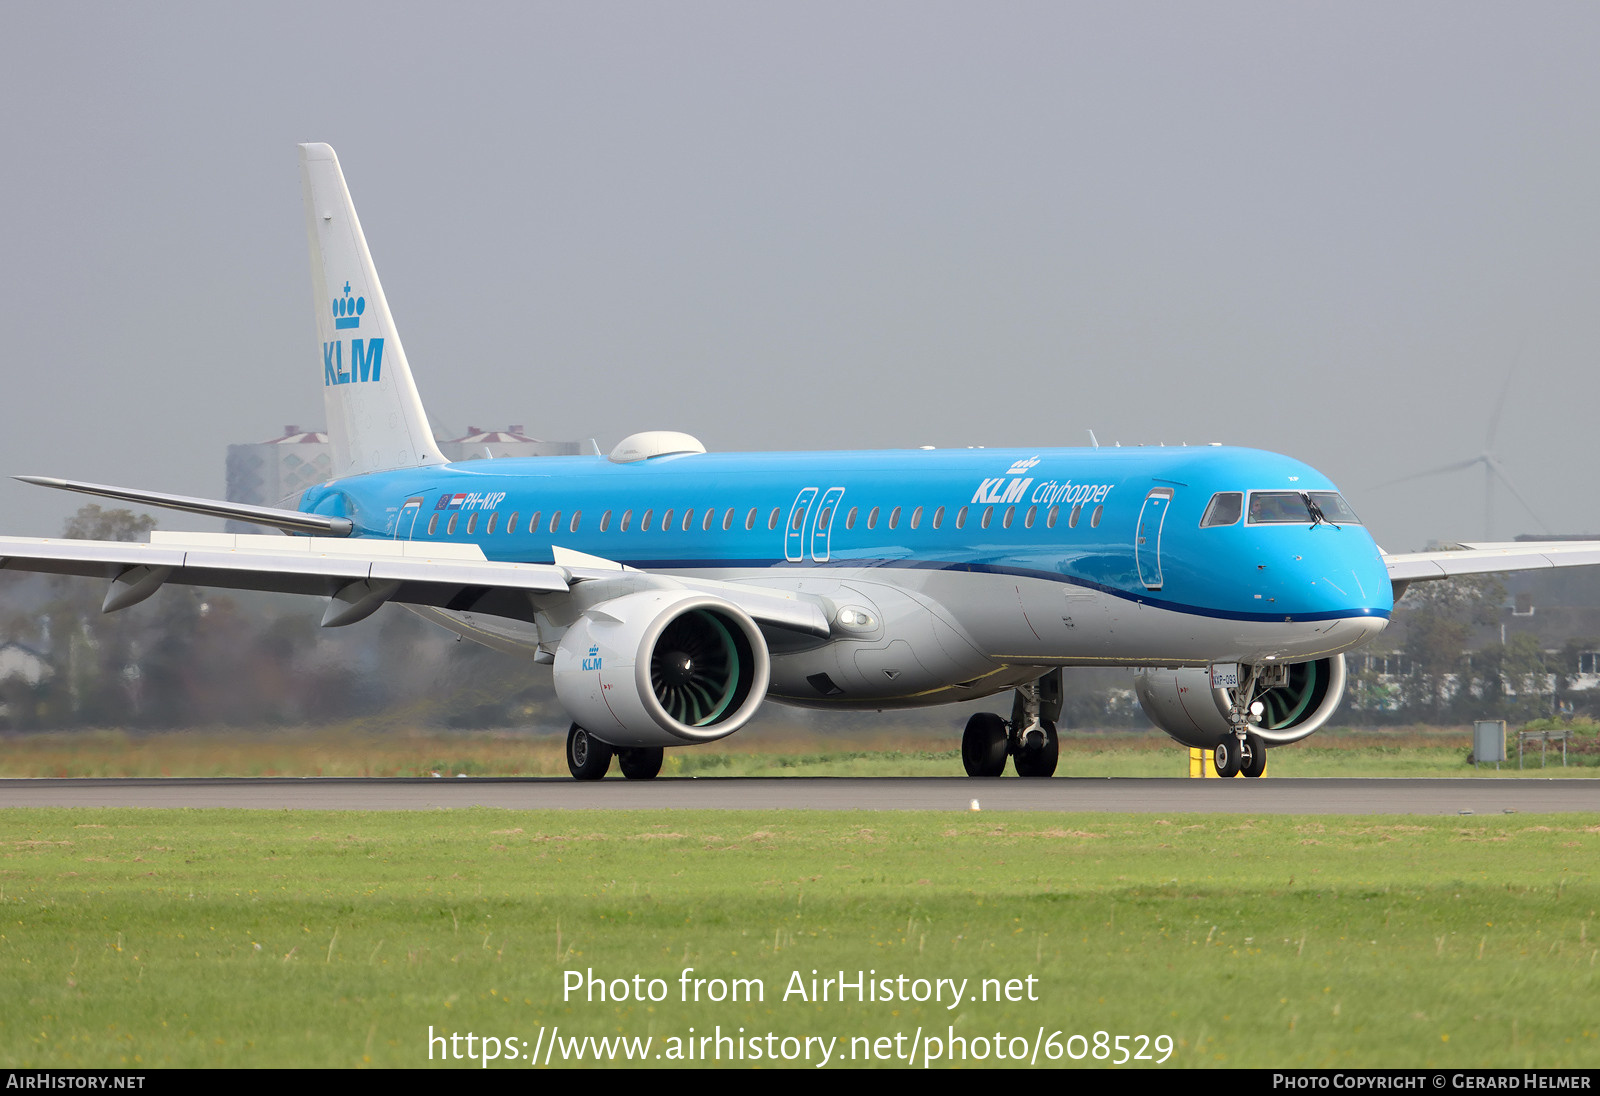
point(1224, 509)
point(1300, 508)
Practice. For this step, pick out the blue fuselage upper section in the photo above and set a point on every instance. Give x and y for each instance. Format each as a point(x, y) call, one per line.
point(1125, 522)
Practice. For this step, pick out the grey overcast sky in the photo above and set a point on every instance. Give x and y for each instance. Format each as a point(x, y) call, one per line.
point(1328, 230)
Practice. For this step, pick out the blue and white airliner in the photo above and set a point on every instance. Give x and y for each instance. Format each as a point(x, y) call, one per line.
point(672, 590)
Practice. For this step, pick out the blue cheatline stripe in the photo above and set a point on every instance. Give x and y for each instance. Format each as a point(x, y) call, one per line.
point(997, 569)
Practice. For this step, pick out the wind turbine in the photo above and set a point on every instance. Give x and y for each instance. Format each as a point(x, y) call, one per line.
point(1493, 468)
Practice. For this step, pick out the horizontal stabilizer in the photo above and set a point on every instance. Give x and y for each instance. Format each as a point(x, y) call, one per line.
point(291, 521)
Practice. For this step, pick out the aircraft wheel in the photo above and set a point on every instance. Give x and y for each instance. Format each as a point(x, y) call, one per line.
point(640, 763)
point(983, 745)
point(1255, 761)
point(587, 757)
point(1040, 760)
point(1226, 758)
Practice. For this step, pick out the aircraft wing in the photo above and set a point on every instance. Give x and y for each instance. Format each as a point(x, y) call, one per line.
point(359, 575)
point(1483, 558)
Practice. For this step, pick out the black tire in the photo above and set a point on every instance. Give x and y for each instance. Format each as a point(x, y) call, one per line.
point(1225, 758)
point(1039, 760)
point(587, 757)
point(640, 762)
point(983, 745)
point(1256, 763)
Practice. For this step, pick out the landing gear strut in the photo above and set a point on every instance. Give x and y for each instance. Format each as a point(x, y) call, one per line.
point(1029, 736)
point(1244, 752)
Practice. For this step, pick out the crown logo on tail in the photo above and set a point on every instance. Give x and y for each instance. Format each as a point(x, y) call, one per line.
point(347, 313)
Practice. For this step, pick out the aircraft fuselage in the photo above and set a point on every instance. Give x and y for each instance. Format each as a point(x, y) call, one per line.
point(965, 567)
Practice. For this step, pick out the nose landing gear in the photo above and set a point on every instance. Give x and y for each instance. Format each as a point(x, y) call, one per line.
point(1245, 752)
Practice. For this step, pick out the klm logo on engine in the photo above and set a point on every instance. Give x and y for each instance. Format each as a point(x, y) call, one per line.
point(366, 355)
point(593, 661)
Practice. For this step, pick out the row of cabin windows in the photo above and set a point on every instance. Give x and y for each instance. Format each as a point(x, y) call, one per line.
point(708, 517)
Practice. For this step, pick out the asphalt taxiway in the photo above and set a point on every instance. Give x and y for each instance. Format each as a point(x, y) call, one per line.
point(1484, 795)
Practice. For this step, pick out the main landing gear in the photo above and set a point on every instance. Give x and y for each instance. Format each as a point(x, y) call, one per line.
point(1029, 737)
point(589, 759)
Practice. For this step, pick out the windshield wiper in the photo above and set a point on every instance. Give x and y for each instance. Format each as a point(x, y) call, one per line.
point(1317, 516)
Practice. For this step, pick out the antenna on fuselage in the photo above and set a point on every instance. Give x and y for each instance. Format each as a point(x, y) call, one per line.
point(1094, 441)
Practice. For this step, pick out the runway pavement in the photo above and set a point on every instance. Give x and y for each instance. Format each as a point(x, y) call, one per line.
point(1128, 796)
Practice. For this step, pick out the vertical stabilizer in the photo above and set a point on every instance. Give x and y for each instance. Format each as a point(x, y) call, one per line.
point(375, 417)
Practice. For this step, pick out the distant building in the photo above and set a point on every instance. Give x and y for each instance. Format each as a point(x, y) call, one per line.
point(21, 661)
point(276, 472)
point(478, 444)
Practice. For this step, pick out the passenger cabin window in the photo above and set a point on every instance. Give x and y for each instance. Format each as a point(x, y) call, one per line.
point(727, 520)
point(577, 516)
point(894, 518)
point(1033, 514)
point(916, 517)
point(1300, 508)
point(511, 522)
point(627, 520)
point(1223, 509)
point(555, 521)
point(605, 521)
point(666, 522)
point(938, 517)
point(850, 518)
point(1094, 518)
point(872, 518)
point(493, 520)
point(1011, 512)
point(472, 525)
point(705, 522)
point(533, 522)
point(688, 518)
point(750, 520)
point(433, 525)
point(644, 522)
point(1055, 515)
point(772, 519)
point(450, 528)
point(961, 518)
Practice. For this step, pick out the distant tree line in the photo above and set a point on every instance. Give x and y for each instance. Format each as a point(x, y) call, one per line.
point(1434, 676)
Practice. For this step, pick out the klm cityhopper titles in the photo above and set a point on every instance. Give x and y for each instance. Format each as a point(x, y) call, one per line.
point(672, 590)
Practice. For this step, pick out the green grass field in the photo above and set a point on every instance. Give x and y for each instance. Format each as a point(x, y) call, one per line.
point(232, 938)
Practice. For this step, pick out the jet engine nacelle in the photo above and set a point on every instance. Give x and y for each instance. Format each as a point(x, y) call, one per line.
point(662, 668)
point(1183, 703)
